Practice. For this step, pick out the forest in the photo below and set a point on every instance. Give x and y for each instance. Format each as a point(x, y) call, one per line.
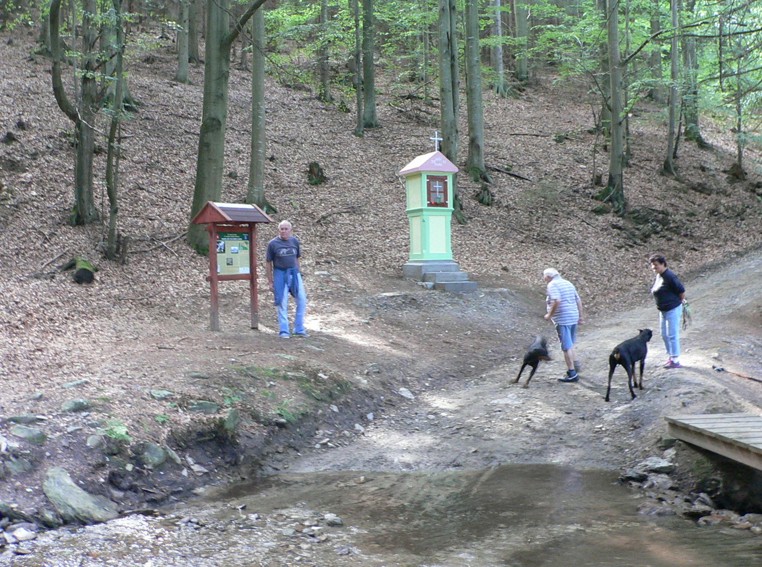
point(690, 58)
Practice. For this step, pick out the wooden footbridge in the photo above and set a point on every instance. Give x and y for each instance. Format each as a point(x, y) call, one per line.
point(737, 436)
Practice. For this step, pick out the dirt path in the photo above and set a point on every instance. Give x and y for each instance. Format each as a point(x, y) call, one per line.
point(481, 420)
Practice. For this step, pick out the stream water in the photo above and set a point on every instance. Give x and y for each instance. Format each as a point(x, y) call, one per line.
point(513, 515)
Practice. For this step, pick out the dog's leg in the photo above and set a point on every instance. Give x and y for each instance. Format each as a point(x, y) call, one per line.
point(523, 366)
point(612, 365)
point(534, 369)
point(642, 364)
point(630, 378)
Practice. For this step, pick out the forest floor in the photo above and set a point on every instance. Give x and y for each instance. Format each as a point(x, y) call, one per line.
point(136, 346)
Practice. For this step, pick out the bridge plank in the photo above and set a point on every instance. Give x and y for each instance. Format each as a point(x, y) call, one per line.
point(733, 435)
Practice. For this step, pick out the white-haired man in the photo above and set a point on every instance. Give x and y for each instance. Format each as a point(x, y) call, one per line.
point(565, 311)
point(285, 278)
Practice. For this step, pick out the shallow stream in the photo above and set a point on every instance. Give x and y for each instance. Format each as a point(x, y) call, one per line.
point(514, 515)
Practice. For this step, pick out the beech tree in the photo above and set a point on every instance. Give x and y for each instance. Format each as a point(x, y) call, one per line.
point(369, 118)
point(475, 163)
point(615, 186)
point(256, 186)
point(82, 112)
point(211, 144)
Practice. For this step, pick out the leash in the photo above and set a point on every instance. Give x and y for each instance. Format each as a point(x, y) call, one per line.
point(721, 369)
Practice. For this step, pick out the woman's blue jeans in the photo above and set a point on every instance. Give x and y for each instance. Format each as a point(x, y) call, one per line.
point(670, 330)
point(301, 308)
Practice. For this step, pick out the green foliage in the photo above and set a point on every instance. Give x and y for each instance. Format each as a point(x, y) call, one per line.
point(323, 388)
point(230, 397)
point(116, 430)
point(284, 411)
point(162, 418)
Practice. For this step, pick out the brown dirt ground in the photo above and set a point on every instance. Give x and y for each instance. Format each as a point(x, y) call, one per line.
point(143, 326)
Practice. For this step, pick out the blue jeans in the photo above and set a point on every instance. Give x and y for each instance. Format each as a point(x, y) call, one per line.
point(301, 308)
point(670, 330)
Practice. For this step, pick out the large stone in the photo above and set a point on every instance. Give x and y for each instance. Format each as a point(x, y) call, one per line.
point(30, 434)
point(153, 455)
point(73, 503)
point(71, 406)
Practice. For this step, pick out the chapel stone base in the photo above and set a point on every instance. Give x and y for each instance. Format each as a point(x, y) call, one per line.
point(444, 275)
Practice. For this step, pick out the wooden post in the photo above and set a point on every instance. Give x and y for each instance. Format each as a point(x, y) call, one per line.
point(253, 282)
point(215, 307)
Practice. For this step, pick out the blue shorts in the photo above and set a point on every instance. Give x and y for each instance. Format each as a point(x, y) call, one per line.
point(567, 334)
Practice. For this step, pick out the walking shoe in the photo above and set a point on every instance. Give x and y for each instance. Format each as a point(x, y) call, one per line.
point(304, 335)
point(284, 335)
point(571, 376)
point(673, 364)
point(667, 364)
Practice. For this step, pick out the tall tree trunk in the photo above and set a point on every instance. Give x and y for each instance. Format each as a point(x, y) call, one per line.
point(674, 93)
point(603, 79)
point(114, 139)
point(654, 60)
point(182, 42)
point(211, 143)
point(256, 187)
point(370, 118)
point(449, 81)
point(475, 161)
point(691, 89)
point(500, 87)
point(521, 21)
point(194, 16)
point(354, 6)
point(324, 88)
point(615, 185)
point(83, 114)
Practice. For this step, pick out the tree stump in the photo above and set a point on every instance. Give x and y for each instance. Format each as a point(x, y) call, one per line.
point(84, 271)
point(315, 173)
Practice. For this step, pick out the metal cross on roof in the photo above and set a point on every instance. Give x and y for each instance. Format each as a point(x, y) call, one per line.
point(436, 138)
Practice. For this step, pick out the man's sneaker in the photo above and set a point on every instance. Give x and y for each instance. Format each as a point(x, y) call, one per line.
point(284, 335)
point(304, 335)
point(667, 364)
point(673, 364)
point(571, 376)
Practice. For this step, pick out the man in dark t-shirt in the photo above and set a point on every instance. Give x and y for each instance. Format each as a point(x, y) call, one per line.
point(285, 278)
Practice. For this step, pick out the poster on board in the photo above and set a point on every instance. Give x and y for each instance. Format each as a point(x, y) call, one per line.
point(232, 253)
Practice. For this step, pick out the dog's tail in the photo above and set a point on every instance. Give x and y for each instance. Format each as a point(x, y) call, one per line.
point(616, 353)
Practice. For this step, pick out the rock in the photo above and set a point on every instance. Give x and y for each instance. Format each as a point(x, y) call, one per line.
point(232, 421)
point(73, 503)
point(173, 456)
point(95, 441)
point(656, 465)
point(72, 406)
point(659, 482)
point(635, 475)
point(204, 406)
point(18, 466)
point(26, 419)
point(29, 434)
point(23, 534)
point(405, 393)
point(161, 394)
point(698, 511)
point(333, 520)
point(153, 455)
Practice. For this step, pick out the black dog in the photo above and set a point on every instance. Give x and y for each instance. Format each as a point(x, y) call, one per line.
point(538, 351)
point(627, 354)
